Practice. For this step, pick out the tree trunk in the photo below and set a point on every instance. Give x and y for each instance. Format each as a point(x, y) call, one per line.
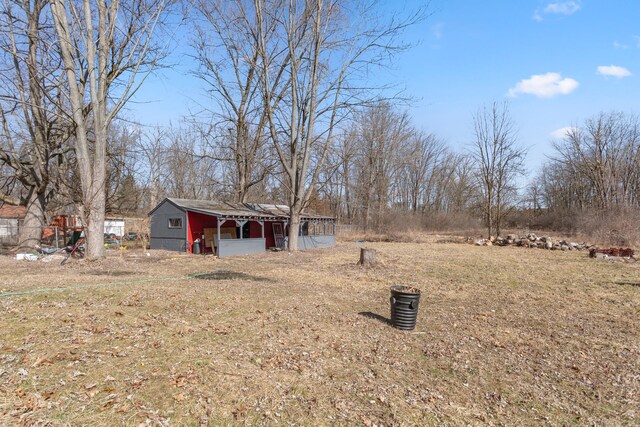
point(347, 192)
point(94, 231)
point(31, 230)
point(294, 230)
point(498, 217)
point(241, 190)
point(93, 177)
point(489, 205)
point(154, 193)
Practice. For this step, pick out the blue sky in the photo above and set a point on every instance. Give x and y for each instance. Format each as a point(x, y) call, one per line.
point(557, 63)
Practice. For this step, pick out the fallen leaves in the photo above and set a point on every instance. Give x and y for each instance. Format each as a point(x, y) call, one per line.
point(185, 378)
point(294, 350)
point(91, 390)
point(43, 360)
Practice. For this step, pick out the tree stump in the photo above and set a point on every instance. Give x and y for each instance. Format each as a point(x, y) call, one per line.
point(367, 257)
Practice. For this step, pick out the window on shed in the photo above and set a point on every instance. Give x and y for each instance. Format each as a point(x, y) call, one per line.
point(175, 222)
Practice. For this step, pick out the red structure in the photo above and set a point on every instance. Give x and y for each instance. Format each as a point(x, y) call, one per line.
point(226, 229)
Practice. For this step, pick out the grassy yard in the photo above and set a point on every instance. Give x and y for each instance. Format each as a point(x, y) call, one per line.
point(505, 335)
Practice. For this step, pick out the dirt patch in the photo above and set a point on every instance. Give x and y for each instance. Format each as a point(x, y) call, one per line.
point(228, 275)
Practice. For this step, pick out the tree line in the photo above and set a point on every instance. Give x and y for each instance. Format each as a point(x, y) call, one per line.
point(283, 75)
point(592, 178)
point(293, 117)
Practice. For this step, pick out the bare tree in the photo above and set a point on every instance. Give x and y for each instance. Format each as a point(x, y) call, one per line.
point(310, 69)
point(346, 156)
point(228, 54)
point(605, 154)
point(33, 125)
point(189, 174)
point(122, 195)
point(423, 178)
point(593, 178)
point(106, 47)
point(151, 172)
point(498, 160)
point(336, 178)
point(382, 137)
point(460, 188)
point(382, 167)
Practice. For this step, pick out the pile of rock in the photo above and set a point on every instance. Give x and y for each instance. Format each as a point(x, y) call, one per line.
point(533, 241)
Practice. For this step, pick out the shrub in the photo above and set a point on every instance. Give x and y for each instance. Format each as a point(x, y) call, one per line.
point(616, 228)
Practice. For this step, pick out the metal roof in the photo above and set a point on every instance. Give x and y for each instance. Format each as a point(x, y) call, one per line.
point(242, 210)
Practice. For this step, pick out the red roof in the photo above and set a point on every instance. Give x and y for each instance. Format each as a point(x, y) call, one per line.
point(8, 211)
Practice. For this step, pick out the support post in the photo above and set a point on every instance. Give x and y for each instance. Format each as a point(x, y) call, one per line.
point(218, 222)
point(240, 224)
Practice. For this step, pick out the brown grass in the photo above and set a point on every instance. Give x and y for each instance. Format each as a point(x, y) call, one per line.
point(504, 336)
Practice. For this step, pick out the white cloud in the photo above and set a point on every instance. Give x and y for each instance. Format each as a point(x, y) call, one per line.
point(545, 85)
point(562, 8)
point(557, 8)
point(618, 45)
point(562, 132)
point(614, 71)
